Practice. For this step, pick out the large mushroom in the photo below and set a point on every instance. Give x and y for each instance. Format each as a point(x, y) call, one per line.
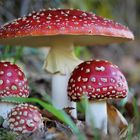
point(61, 29)
point(13, 83)
point(98, 80)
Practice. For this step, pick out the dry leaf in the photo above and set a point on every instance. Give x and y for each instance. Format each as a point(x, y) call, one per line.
point(117, 123)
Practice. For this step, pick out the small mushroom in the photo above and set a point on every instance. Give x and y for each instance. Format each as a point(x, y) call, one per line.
point(12, 83)
point(61, 29)
point(24, 118)
point(98, 80)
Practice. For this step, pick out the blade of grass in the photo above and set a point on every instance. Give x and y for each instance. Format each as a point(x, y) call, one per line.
point(60, 114)
point(6, 52)
point(45, 95)
point(136, 110)
point(18, 54)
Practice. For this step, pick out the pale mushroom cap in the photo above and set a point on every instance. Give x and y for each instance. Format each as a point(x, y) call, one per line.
point(24, 118)
point(12, 81)
point(82, 28)
point(98, 80)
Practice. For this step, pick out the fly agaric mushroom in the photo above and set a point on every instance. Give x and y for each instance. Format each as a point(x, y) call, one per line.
point(61, 29)
point(98, 80)
point(12, 83)
point(24, 118)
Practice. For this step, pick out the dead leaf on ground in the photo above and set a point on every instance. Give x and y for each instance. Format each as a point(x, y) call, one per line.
point(117, 123)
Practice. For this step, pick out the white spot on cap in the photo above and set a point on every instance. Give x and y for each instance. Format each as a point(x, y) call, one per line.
point(104, 89)
point(84, 87)
point(19, 73)
point(112, 80)
point(98, 90)
point(100, 84)
point(14, 87)
point(87, 70)
point(16, 123)
point(1, 72)
point(5, 65)
point(100, 68)
point(110, 87)
point(88, 62)
point(1, 82)
point(9, 74)
point(108, 93)
point(93, 79)
point(104, 80)
point(22, 121)
point(12, 120)
point(18, 117)
point(113, 91)
point(89, 87)
point(25, 113)
point(7, 81)
point(73, 85)
point(14, 113)
point(80, 89)
point(74, 98)
point(84, 14)
point(71, 80)
point(93, 90)
point(79, 79)
point(85, 79)
point(120, 84)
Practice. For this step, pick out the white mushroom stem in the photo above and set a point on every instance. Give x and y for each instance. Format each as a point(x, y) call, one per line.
point(61, 61)
point(96, 112)
point(5, 108)
point(59, 93)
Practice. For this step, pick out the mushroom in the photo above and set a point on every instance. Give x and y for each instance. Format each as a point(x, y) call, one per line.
point(61, 29)
point(24, 118)
point(98, 80)
point(12, 83)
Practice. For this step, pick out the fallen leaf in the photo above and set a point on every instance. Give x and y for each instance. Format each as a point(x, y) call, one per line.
point(117, 123)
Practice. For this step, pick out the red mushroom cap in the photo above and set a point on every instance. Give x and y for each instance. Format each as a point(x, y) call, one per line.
point(24, 118)
point(98, 80)
point(83, 28)
point(12, 81)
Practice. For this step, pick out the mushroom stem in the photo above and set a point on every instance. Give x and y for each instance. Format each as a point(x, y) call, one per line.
point(61, 58)
point(59, 93)
point(61, 61)
point(5, 108)
point(96, 112)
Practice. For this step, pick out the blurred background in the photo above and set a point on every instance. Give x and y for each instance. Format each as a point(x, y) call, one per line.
point(126, 55)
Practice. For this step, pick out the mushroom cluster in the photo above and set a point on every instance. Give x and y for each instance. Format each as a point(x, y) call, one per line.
point(98, 80)
point(12, 83)
point(61, 29)
point(24, 118)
